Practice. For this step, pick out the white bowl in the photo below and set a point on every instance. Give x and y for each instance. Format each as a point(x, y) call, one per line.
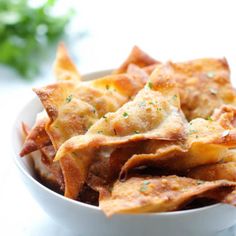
point(88, 220)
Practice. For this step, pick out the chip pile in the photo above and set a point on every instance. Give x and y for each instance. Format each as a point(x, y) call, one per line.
point(150, 137)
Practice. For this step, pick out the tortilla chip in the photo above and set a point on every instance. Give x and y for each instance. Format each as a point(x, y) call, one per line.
point(204, 84)
point(37, 137)
point(137, 57)
point(207, 143)
point(153, 114)
point(214, 172)
point(73, 108)
point(157, 194)
point(64, 69)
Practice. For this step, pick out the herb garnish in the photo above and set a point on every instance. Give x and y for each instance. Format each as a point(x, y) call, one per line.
point(125, 114)
point(209, 118)
point(69, 98)
point(150, 85)
point(105, 118)
point(107, 86)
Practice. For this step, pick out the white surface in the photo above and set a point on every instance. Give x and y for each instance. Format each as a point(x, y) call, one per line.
point(167, 29)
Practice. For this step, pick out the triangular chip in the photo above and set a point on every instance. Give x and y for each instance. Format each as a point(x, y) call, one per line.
point(64, 69)
point(73, 108)
point(137, 57)
point(37, 137)
point(157, 194)
point(214, 172)
point(204, 84)
point(153, 114)
point(207, 142)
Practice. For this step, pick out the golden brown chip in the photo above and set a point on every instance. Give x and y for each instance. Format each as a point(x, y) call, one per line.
point(214, 172)
point(204, 84)
point(37, 136)
point(64, 68)
point(48, 171)
point(137, 57)
point(73, 108)
point(207, 142)
point(153, 114)
point(157, 194)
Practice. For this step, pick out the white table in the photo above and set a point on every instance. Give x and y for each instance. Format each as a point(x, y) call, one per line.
point(178, 30)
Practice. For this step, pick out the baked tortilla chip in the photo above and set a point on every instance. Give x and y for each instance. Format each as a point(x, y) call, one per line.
point(48, 171)
point(153, 114)
point(137, 57)
point(207, 143)
point(214, 172)
point(37, 137)
point(157, 194)
point(204, 84)
point(64, 69)
point(73, 108)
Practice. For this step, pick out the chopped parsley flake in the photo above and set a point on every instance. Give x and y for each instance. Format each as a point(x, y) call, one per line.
point(99, 132)
point(107, 86)
point(69, 98)
point(105, 118)
point(150, 85)
point(136, 132)
point(211, 74)
point(159, 109)
point(209, 118)
point(200, 182)
point(125, 114)
point(151, 103)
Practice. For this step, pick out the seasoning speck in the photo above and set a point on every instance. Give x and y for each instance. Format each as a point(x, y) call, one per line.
point(125, 114)
point(136, 132)
point(69, 98)
point(150, 85)
point(209, 118)
point(107, 86)
point(99, 132)
point(199, 182)
point(105, 118)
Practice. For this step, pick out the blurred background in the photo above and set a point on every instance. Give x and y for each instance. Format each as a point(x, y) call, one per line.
point(98, 35)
